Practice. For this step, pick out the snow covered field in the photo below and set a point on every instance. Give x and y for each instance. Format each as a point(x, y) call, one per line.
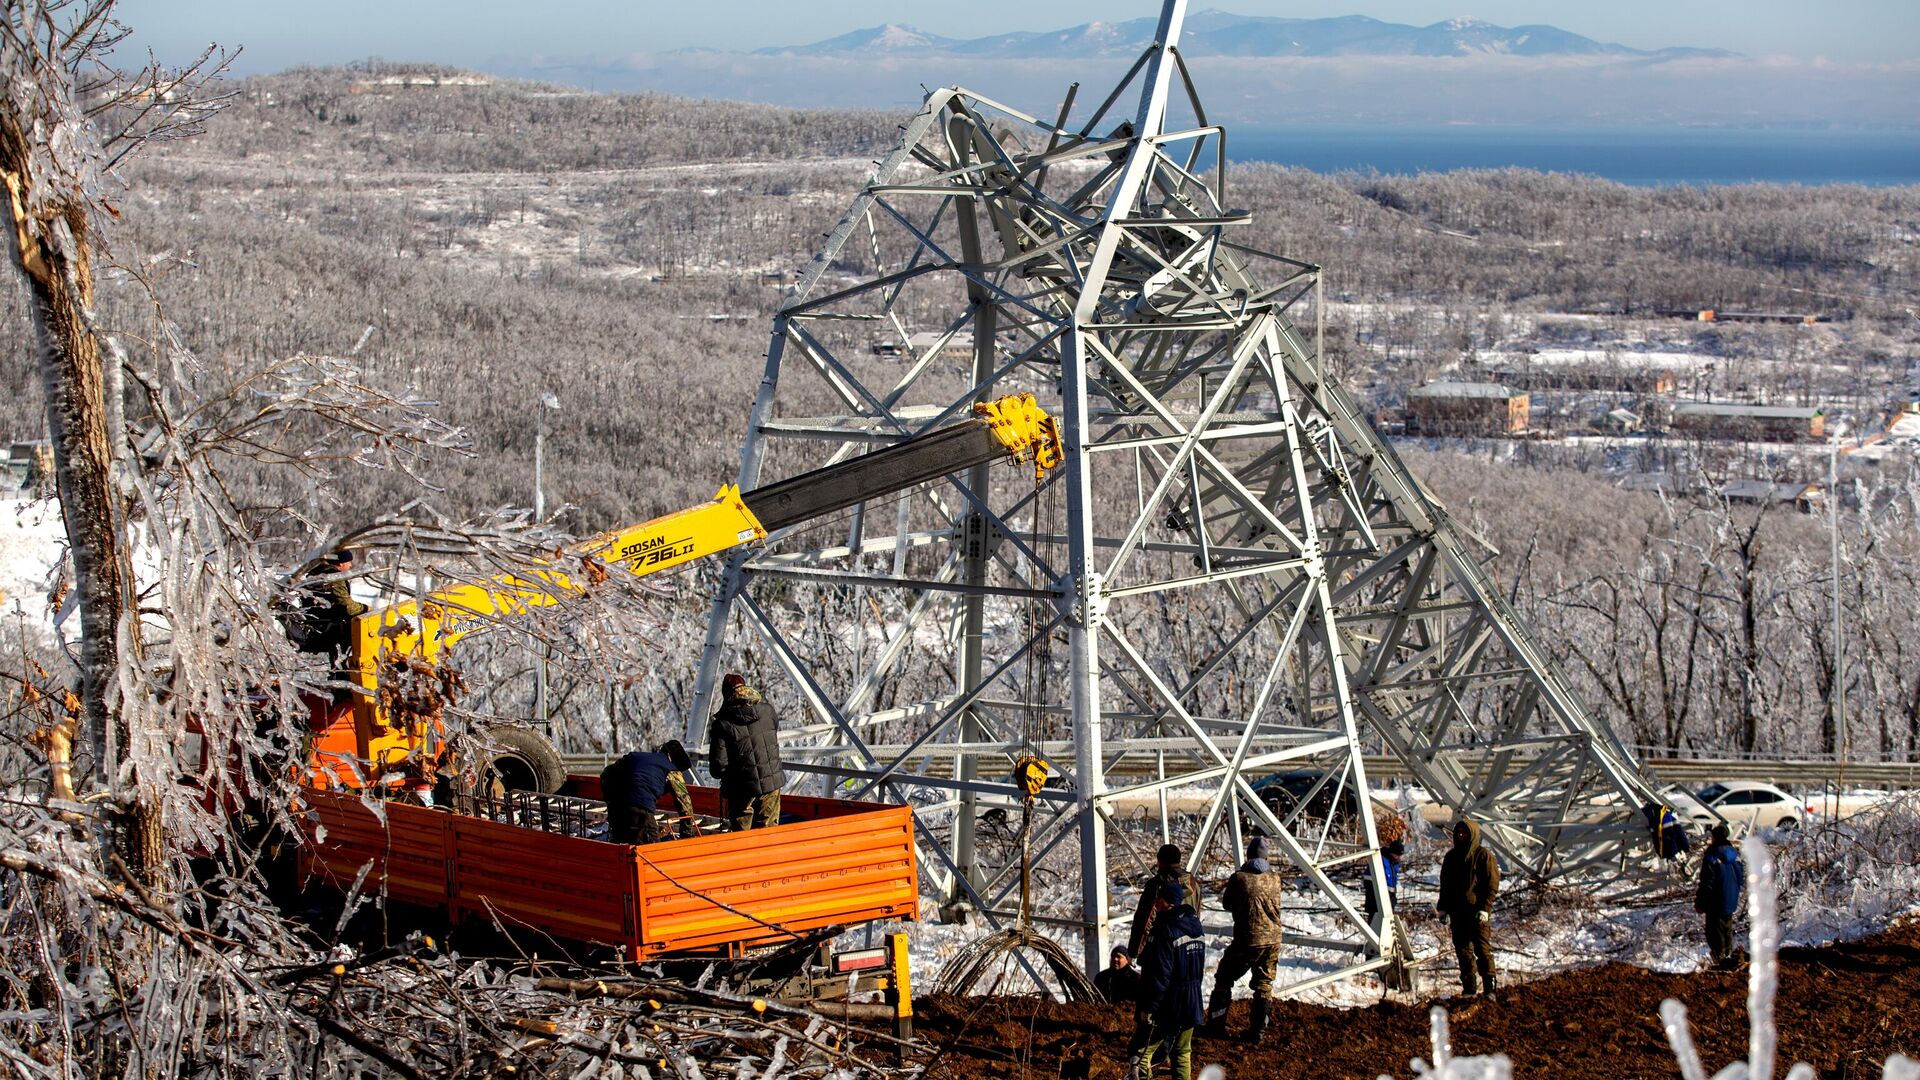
point(1839, 881)
point(32, 543)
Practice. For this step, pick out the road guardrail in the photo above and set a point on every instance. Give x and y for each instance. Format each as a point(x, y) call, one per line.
point(1687, 772)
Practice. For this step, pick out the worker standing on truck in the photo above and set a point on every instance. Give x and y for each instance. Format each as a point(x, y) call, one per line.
point(744, 756)
point(1167, 872)
point(323, 623)
point(632, 785)
point(326, 619)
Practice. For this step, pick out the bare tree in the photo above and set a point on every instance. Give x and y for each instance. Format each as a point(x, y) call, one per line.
point(67, 119)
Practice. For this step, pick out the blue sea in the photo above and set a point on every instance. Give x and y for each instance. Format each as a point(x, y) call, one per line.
point(1638, 156)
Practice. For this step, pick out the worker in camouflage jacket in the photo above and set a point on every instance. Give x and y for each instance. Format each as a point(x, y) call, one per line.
point(744, 756)
point(1171, 971)
point(323, 621)
point(1722, 878)
point(631, 787)
point(1469, 878)
point(1167, 871)
point(1252, 896)
point(326, 620)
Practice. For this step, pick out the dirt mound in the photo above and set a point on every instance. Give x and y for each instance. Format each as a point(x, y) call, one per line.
point(1842, 1009)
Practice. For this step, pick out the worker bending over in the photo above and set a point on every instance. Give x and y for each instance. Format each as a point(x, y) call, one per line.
point(632, 786)
point(744, 756)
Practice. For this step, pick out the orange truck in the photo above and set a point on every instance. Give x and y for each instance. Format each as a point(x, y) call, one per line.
point(529, 857)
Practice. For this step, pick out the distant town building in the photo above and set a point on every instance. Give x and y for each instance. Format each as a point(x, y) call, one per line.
point(1622, 422)
point(1656, 482)
point(30, 466)
point(1711, 315)
point(1578, 377)
point(1750, 423)
point(1466, 408)
point(1769, 493)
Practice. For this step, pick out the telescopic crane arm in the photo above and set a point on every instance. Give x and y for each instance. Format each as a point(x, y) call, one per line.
point(1012, 427)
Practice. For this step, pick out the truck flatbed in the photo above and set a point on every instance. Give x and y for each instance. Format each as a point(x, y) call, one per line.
point(830, 862)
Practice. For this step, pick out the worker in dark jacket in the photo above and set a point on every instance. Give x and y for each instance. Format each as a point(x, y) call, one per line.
point(744, 756)
point(1669, 836)
point(1170, 974)
point(631, 787)
point(1252, 896)
point(323, 622)
point(1722, 878)
point(330, 609)
point(1469, 877)
point(1166, 871)
point(1119, 981)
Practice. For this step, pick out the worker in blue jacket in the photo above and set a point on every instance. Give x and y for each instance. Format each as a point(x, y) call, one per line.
point(632, 785)
point(1390, 858)
point(1722, 879)
point(1669, 836)
point(1171, 970)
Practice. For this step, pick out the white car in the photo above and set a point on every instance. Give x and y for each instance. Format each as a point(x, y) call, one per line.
point(1748, 803)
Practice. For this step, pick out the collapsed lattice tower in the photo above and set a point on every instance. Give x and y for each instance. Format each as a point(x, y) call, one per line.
point(1231, 575)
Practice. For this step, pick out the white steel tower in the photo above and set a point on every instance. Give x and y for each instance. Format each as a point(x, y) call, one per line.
point(1231, 575)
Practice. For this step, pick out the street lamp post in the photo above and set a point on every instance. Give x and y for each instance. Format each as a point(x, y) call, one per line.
point(1842, 745)
point(547, 401)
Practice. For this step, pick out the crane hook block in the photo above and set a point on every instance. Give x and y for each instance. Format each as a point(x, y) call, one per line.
point(1032, 774)
point(1026, 430)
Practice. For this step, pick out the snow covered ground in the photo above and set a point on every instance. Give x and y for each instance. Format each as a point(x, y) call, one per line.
point(1903, 437)
point(33, 551)
point(1678, 362)
point(32, 543)
point(1838, 881)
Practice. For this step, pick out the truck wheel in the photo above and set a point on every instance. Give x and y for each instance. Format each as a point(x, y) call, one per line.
point(524, 760)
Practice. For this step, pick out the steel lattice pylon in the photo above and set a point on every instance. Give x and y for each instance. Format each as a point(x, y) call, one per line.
point(1231, 574)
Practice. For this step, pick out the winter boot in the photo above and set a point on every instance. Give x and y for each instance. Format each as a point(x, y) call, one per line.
point(1258, 1028)
point(1216, 1022)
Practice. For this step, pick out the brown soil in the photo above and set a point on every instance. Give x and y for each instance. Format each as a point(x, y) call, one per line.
point(1842, 1009)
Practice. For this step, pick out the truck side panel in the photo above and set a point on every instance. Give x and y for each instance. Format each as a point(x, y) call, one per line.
point(839, 864)
point(741, 889)
point(408, 852)
point(477, 869)
point(567, 886)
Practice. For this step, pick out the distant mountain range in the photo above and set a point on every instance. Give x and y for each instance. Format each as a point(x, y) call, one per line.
point(1274, 72)
point(1221, 33)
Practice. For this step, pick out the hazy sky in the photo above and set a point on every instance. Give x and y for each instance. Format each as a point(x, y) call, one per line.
point(277, 34)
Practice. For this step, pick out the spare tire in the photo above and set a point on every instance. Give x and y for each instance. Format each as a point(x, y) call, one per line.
point(523, 760)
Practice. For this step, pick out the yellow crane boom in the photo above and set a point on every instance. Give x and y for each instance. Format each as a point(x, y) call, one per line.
point(419, 630)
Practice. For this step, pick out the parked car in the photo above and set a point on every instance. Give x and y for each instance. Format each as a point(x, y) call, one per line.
point(1749, 803)
point(1283, 791)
